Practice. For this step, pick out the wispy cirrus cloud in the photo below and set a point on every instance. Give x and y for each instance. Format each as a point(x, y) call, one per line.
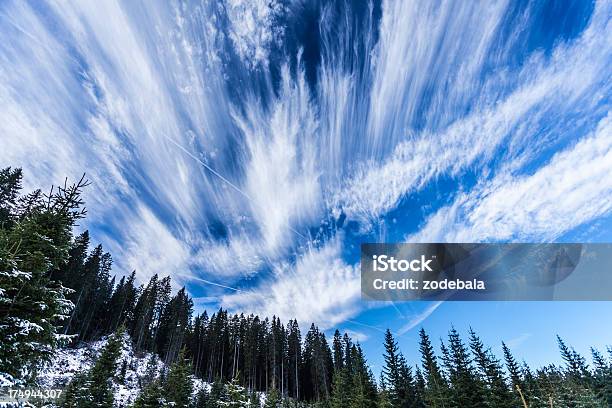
point(320, 287)
point(501, 121)
point(220, 142)
point(518, 341)
point(573, 188)
point(418, 318)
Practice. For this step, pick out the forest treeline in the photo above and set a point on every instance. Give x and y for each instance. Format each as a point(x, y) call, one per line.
point(56, 290)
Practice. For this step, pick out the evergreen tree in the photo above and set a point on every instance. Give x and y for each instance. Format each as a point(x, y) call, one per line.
point(513, 366)
point(121, 304)
point(362, 382)
point(174, 325)
point(318, 366)
point(294, 358)
point(419, 385)
point(338, 351)
point(95, 389)
point(35, 237)
point(436, 391)
point(202, 399)
point(254, 400)
point(467, 390)
point(178, 387)
point(397, 375)
point(218, 395)
point(497, 393)
point(602, 377)
point(273, 399)
point(151, 397)
point(342, 389)
point(576, 367)
point(236, 395)
point(384, 400)
point(150, 372)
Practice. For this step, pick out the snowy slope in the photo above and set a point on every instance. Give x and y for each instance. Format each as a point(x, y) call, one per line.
point(68, 362)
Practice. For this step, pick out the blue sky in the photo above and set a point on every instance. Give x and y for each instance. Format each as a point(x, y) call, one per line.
point(247, 148)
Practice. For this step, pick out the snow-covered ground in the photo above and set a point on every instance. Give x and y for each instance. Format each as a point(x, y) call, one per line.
point(68, 362)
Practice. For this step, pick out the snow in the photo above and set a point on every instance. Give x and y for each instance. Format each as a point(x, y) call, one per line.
point(66, 363)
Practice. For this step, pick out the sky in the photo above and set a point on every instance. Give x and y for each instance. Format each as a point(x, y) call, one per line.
point(248, 147)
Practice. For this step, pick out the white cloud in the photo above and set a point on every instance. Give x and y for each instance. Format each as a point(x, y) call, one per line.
point(544, 88)
point(319, 288)
point(117, 96)
point(573, 188)
point(282, 173)
point(149, 247)
point(252, 28)
point(235, 257)
point(518, 341)
point(419, 318)
point(357, 335)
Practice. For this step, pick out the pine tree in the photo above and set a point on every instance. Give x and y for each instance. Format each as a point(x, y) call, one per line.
point(273, 399)
point(35, 237)
point(513, 366)
point(178, 387)
point(497, 393)
point(602, 377)
point(173, 326)
point(397, 375)
point(436, 388)
point(361, 380)
point(294, 357)
point(467, 390)
point(338, 351)
point(318, 366)
point(576, 364)
point(218, 394)
point(121, 304)
point(237, 396)
point(202, 399)
point(419, 385)
point(384, 400)
point(341, 389)
point(151, 397)
point(254, 399)
point(95, 389)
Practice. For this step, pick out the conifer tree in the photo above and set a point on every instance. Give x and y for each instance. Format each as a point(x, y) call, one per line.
point(254, 399)
point(95, 389)
point(236, 395)
point(384, 400)
point(35, 237)
point(576, 367)
point(512, 365)
point(202, 399)
point(294, 358)
point(436, 387)
point(419, 385)
point(218, 394)
point(361, 380)
point(338, 351)
point(497, 393)
point(273, 399)
point(151, 396)
point(397, 375)
point(178, 387)
point(341, 389)
point(602, 377)
point(467, 390)
point(174, 325)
